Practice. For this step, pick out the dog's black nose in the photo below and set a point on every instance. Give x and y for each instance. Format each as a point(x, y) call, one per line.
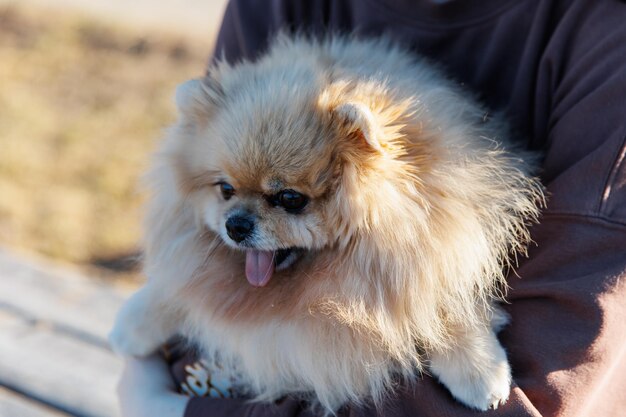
point(239, 228)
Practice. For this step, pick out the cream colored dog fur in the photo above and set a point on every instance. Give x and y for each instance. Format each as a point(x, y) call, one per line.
point(415, 202)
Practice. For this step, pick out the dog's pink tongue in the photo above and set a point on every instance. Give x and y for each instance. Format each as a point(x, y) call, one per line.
point(259, 267)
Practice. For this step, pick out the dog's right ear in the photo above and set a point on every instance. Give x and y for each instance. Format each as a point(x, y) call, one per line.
point(196, 98)
point(357, 117)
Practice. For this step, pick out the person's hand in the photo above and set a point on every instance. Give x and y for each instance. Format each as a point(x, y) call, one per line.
point(146, 389)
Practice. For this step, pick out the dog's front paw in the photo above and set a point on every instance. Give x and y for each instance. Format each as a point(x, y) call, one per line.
point(477, 375)
point(484, 388)
point(138, 331)
point(127, 339)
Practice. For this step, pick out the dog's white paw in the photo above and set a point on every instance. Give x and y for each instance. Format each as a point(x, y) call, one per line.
point(128, 339)
point(480, 387)
point(486, 388)
point(475, 370)
point(138, 331)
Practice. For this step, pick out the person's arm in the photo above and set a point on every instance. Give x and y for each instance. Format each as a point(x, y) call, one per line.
point(566, 340)
point(146, 389)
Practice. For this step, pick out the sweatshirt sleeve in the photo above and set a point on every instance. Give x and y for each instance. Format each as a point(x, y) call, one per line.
point(246, 28)
point(566, 342)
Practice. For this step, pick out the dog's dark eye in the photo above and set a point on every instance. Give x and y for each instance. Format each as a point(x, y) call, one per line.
point(227, 190)
point(291, 200)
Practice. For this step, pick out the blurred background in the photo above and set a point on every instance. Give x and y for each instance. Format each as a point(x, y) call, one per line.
point(86, 88)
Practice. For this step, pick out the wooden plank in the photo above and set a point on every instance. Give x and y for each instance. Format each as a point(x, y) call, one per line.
point(57, 369)
point(53, 327)
point(15, 405)
point(59, 297)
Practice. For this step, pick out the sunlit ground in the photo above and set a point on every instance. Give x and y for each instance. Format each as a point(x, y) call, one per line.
point(81, 106)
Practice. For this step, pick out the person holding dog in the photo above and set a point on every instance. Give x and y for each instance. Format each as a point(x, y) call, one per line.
point(557, 69)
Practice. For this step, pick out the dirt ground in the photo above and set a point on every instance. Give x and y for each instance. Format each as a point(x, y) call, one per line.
point(83, 101)
point(189, 18)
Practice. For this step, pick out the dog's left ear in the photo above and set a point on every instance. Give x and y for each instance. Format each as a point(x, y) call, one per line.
point(358, 118)
point(198, 97)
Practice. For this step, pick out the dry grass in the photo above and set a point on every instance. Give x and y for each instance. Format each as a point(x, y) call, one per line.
point(81, 106)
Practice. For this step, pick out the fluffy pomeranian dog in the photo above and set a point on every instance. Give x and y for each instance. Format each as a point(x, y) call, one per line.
point(331, 219)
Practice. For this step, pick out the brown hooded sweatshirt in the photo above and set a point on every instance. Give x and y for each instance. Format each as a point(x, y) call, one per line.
point(557, 68)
